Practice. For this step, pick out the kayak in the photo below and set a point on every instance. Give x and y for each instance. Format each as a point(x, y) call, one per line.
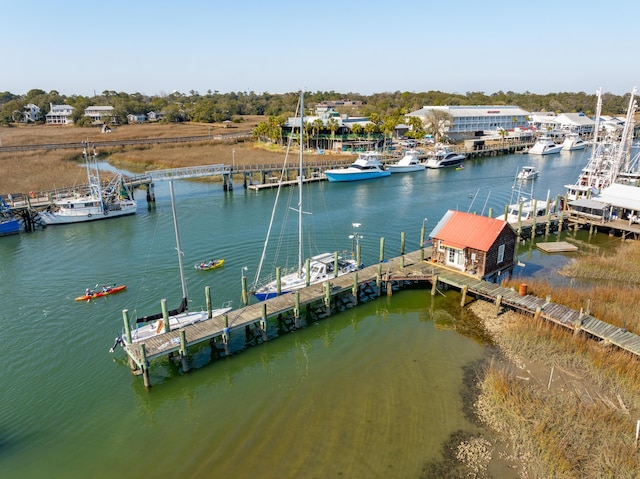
point(207, 265)
point(98, 294)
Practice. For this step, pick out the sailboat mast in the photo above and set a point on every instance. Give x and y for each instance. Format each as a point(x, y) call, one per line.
point(175, 228)
point(300, 248)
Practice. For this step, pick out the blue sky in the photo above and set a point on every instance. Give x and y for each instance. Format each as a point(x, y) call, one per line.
point(156, 47)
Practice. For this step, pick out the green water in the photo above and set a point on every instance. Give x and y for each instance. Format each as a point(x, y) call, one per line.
point(371, 392)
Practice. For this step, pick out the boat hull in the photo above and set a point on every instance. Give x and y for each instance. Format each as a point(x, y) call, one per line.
point(335, 176)
point(54, 218)
point(406, 169)
point(99, 294)
point(9, 227)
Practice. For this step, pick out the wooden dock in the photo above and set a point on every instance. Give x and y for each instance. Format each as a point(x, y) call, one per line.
point(321, 300)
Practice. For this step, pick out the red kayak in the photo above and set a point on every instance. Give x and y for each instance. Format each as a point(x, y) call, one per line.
point(98, 294)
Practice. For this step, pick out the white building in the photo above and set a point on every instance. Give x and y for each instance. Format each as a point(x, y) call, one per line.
point(573, 122)
point(98, 113)
point(470, 121)
point(59, 115)
point(30, 113)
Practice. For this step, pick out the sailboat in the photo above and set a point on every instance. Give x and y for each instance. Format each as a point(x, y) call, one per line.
point(97, 204)
point(153, 325)
point(321, 267)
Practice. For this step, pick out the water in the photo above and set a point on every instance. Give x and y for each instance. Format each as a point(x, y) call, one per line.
point(370, 392)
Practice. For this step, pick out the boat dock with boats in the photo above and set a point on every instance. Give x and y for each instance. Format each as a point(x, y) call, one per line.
point(319, 301)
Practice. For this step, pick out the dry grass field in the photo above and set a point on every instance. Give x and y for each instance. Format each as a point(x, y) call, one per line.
point(43, 170)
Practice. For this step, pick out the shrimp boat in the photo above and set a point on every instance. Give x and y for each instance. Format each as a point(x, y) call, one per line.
point(154, 325)
point(318, 269)
point(97, 204)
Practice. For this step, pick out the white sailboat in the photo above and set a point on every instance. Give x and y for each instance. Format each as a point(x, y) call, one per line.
point(321, 267)
point(96, 204)
point(153, 325)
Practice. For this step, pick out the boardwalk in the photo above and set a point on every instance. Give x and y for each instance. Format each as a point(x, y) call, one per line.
point(369, 282)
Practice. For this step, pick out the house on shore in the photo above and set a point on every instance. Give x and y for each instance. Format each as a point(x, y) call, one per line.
point(473, 244)
point(59, 115)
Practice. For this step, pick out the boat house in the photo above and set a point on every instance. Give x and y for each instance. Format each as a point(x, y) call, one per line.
point(474, 244)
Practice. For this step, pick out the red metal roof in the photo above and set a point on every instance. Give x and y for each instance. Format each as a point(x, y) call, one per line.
point(464, 230)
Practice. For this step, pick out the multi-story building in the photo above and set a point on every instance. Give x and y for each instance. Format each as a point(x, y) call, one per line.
point(59, 115)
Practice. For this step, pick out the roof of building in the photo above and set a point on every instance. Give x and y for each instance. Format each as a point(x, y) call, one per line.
point(622, 196)
point(471, 110)
point(465, 230)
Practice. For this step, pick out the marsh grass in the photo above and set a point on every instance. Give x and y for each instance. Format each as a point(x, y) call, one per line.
point(583, 426)
point(44, 170)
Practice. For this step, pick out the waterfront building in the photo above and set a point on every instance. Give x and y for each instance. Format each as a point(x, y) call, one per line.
point(468, 121)
point(98, 114)
point(30, 113)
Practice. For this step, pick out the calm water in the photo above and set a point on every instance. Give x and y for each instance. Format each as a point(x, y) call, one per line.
point(370, 392)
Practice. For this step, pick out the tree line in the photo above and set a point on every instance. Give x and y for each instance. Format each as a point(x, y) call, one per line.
point(214, 106)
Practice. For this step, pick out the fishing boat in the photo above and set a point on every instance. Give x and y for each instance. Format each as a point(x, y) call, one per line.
point(9, 224)
point(523, 206)
point(407, 164)
point(611, 159)
point(319, 268)
point(573, 142)
point(89, 294)
point(367, 166)
point(97, 203)
point(443, 157)
point(208, 265)
point(527, 173)
point(544, 145)
point(152, 325)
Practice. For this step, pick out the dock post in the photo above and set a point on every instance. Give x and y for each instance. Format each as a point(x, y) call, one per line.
point(490, 212)
point(560, 220)
point(145, 366)
point(184, 351)
point(464, 295)
point(278, 281)
point(536, 316)
point(434, 285)
point(127, 326)
point(379, 279)
point(354, 288)
point(498, 304)
point(245, 296)
point(207, 296)
point(230, 175)
point(224, 182)
point(327, 296)
point(422, 243)
point(165, 316)
point(307, 275)
point(358, 256)
point(381, 249)
point(296, 308)
point(335, 264)
point(402, 236)
point(402, 262)
point(263, 321)
point(225, 334)
point(533, 227)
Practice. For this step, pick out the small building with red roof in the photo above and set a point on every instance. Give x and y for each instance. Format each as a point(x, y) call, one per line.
point(474, 244)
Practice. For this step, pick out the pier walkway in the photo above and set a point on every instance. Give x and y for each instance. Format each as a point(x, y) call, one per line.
point(320, 300)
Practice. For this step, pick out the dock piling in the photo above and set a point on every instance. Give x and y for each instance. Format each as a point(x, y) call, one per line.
point(184, 351)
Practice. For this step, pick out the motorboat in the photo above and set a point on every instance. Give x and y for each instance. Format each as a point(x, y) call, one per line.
point(323, 266)
point(544, 145)
point(9, 224)
point(96, 204)
point(573, 142)
point(367, 166)
point(527, 173)
point(444, 157)
point(407, 164)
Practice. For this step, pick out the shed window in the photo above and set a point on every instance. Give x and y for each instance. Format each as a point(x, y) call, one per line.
point(500, 253)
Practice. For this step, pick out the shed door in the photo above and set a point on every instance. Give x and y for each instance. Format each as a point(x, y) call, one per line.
point(455, 258)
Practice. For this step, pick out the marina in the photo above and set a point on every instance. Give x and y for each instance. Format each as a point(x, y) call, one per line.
point(288, 383)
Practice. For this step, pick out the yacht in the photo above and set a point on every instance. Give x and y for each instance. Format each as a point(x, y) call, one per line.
point(368, 165)
point(573, 142)
point(408, 163)
point(544, 146)
point(444, 157)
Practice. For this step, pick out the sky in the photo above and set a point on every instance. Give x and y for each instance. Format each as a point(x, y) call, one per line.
point(84, 47)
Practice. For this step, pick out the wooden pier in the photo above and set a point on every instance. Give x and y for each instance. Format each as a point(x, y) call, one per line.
point(321, 300)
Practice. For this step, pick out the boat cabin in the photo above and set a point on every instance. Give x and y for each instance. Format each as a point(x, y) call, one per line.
point(474, 244)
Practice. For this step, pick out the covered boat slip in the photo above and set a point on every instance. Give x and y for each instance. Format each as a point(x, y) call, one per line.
point(345, 292)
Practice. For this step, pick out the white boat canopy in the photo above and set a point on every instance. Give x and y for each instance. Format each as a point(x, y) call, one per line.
point(621, 196)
